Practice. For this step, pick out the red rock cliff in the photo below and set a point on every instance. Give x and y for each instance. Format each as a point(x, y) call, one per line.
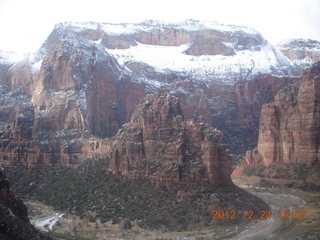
point(75, 88)
point(159, 144)
point(78, 91)
point(289, 129)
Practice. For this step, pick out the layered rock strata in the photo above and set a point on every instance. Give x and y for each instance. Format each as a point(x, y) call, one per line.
point(86, 80)
point(159, 144)
point(289, 129)
point(302, 52)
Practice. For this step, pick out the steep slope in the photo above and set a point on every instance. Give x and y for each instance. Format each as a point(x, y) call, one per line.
point(98, 194)
point(87, 78)
point(14, 221)
point(160, 145)
point(67, 91)
point(84, 85)
point(290, 127)
point(157, 144)
point(156, 160)
point(302, 52)
point(202, 50)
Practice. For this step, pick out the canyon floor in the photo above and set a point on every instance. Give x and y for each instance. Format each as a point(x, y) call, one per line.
point(275, 193)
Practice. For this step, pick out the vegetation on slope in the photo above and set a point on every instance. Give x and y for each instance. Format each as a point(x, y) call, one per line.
point(297, 175)
point(89, 190)
point(290, 171)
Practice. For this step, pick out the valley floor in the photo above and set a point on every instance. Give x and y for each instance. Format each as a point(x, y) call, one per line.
point(279, 197)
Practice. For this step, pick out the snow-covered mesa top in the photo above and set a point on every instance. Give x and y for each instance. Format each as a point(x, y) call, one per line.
point(149, 25)
point(265, 59)
point(226, 69)
point(300, 44)
point(241, 65)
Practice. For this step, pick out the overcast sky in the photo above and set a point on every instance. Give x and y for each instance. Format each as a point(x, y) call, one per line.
point(25, 24)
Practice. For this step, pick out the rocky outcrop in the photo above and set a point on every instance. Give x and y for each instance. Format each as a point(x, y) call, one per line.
point(235, 110)
point(56, 132)
point(69, 91)
point(289, 129)
point(79, 85)
point(301, 49)
point(160, 145)
point(14, 220)
point(157, 144)
point(302, 52)
point(207, 38)
point(250, 96)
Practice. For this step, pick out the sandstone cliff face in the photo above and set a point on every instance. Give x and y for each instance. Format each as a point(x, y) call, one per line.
point(157, 143)
point(250, 96)
point(302, 55)
point(75, 87)
point(71, 90)
point(205, 41)
point(235, 110)
point(60, 125)
point(79, 86)
point(300, 49)
point(160, 145)
point(4, 78)
point(289, 129)
point(302, 52)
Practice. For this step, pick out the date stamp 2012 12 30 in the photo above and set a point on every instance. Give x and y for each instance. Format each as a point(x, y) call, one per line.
point(283, 214)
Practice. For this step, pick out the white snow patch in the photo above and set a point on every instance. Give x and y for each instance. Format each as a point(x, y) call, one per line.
point(300, 44)
point(79, 25)
point(195, 25)
point(206, 67)
point(36, 59)
point(35, 67)
point(65, 94)
point(230, 45)
point(152, 84)
point(110, 28)
point(125, 28)
point(47, 223)
point(150, 25)
point(305, 61)
point(8, 57)
point(97, 42)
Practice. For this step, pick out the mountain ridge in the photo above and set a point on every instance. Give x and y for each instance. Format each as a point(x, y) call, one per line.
point(75, 87)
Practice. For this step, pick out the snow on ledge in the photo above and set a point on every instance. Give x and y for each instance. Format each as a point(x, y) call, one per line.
point(8, 57)
point(150, 25)
point(47, 223)
point(173, 59)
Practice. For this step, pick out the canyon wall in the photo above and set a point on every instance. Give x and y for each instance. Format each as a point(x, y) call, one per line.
point(289, 130)
point(75, 88)
point(159, 144)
